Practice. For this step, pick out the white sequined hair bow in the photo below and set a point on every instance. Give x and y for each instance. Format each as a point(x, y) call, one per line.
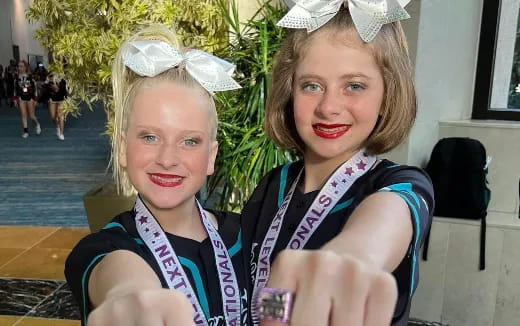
point(150, 58)
point(368, 15)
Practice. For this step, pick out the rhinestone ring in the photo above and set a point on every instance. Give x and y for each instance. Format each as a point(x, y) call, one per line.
point(275, 304)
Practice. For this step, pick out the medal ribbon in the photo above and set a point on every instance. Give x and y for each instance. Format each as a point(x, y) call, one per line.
point(335, 187)
point(154, 237)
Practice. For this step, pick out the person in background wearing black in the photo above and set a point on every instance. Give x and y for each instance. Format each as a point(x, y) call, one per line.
point(10, 73)
point(40, 76)
point(2, 84)
point(24, 92)
point(56, 90)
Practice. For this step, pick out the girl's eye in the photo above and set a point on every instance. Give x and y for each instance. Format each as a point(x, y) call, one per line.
point(191, 142)
point(356, 87)
point(149, 138)
point(311, 87)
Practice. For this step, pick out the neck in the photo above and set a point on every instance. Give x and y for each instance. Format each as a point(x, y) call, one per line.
point(318, 169)
point(183, 220)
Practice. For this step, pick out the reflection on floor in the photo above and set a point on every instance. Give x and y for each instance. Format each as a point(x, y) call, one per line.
point(33, 291)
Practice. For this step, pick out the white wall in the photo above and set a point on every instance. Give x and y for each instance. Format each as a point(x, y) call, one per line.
point(452, 289)
point(445, 62)
point(23, 31)
point(15, 29)
point(5, 32)
point(445, 71)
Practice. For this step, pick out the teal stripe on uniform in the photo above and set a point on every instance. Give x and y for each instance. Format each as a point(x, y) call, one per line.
point(112, 225)
point(139, 241)
point(84, 286)
point(415, 215)
point(199, 287)
point(407, 188)
point(237, 246)
point(283, 181)
point(404, 190)
point(340, 206)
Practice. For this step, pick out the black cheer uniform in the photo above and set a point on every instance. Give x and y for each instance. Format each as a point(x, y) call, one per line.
point(410, 183)
point(59, 93)
point(197, 259)
point(24, 87)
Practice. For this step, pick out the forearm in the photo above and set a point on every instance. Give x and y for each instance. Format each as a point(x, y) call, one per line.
point(378, 232)
point(119, 273)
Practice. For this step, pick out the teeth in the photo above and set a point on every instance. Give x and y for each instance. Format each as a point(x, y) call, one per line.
point(176, 179)
point(331, 130)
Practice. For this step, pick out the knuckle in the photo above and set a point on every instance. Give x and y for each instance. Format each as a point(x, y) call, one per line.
point(183, 302)
point(385, 285)
point(141, 300)
point(350, 268)
point(285, 259)
point(327, 264)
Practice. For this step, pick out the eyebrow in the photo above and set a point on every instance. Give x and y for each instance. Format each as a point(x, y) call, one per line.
point(345, 76)
point(155, 129)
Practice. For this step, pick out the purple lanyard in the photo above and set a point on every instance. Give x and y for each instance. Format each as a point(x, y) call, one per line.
point(335, 187)
point(155, 238)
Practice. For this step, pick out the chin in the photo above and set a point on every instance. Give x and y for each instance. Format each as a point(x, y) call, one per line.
point(332, 153)
point(162, 202)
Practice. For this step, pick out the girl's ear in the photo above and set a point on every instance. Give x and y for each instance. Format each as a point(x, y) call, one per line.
point(122, 152)
point(212, 157)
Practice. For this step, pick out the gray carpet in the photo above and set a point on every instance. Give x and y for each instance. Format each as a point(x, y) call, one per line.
point(43, 179)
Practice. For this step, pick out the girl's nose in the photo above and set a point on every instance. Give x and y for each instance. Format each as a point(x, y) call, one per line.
point(168, 156)
point(331, 104)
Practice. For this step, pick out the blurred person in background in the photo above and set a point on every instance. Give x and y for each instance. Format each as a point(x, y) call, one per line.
point(24, 93)
point(40, 76)
point(55, 92)
point(2, 84)
point(10, 73)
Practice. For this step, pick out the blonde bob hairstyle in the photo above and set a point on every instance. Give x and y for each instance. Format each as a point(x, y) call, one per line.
point(390, 51)
point(126, 85)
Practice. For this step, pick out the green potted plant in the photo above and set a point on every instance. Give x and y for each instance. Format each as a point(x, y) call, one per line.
point(245, 153)
point(82, 37)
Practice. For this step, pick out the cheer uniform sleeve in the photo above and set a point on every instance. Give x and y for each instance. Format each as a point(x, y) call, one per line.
point(415, 188)
point(88, 253)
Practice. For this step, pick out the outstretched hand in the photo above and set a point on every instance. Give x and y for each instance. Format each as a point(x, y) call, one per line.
point(133, 296)
point(157, 307)
point(333, 289)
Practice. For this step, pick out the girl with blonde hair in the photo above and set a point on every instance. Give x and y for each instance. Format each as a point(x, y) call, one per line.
point(168, 261)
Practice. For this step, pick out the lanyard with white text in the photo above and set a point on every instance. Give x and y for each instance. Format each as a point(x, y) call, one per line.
point(156, 240)
point(335, 187)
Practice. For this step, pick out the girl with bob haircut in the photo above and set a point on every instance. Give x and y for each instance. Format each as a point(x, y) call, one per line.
point(334, 237)
point(163, 262)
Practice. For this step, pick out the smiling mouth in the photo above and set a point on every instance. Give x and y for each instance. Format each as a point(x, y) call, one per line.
point(166, 180)
point(331, 131)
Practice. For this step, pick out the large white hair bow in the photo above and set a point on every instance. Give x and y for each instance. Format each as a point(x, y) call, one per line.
point(150, 58)
point(368, 15)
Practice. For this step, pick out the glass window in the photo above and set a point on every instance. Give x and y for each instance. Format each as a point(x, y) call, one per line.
point(497, 84)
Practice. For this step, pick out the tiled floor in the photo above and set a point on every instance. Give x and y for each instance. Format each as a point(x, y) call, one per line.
point(33, 291)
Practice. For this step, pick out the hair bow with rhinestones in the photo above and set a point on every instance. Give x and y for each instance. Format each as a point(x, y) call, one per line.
point(150, 58)
point(368, 15)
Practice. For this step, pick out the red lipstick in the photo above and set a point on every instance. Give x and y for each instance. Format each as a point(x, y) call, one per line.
point(165, 180)
point(330, 131)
